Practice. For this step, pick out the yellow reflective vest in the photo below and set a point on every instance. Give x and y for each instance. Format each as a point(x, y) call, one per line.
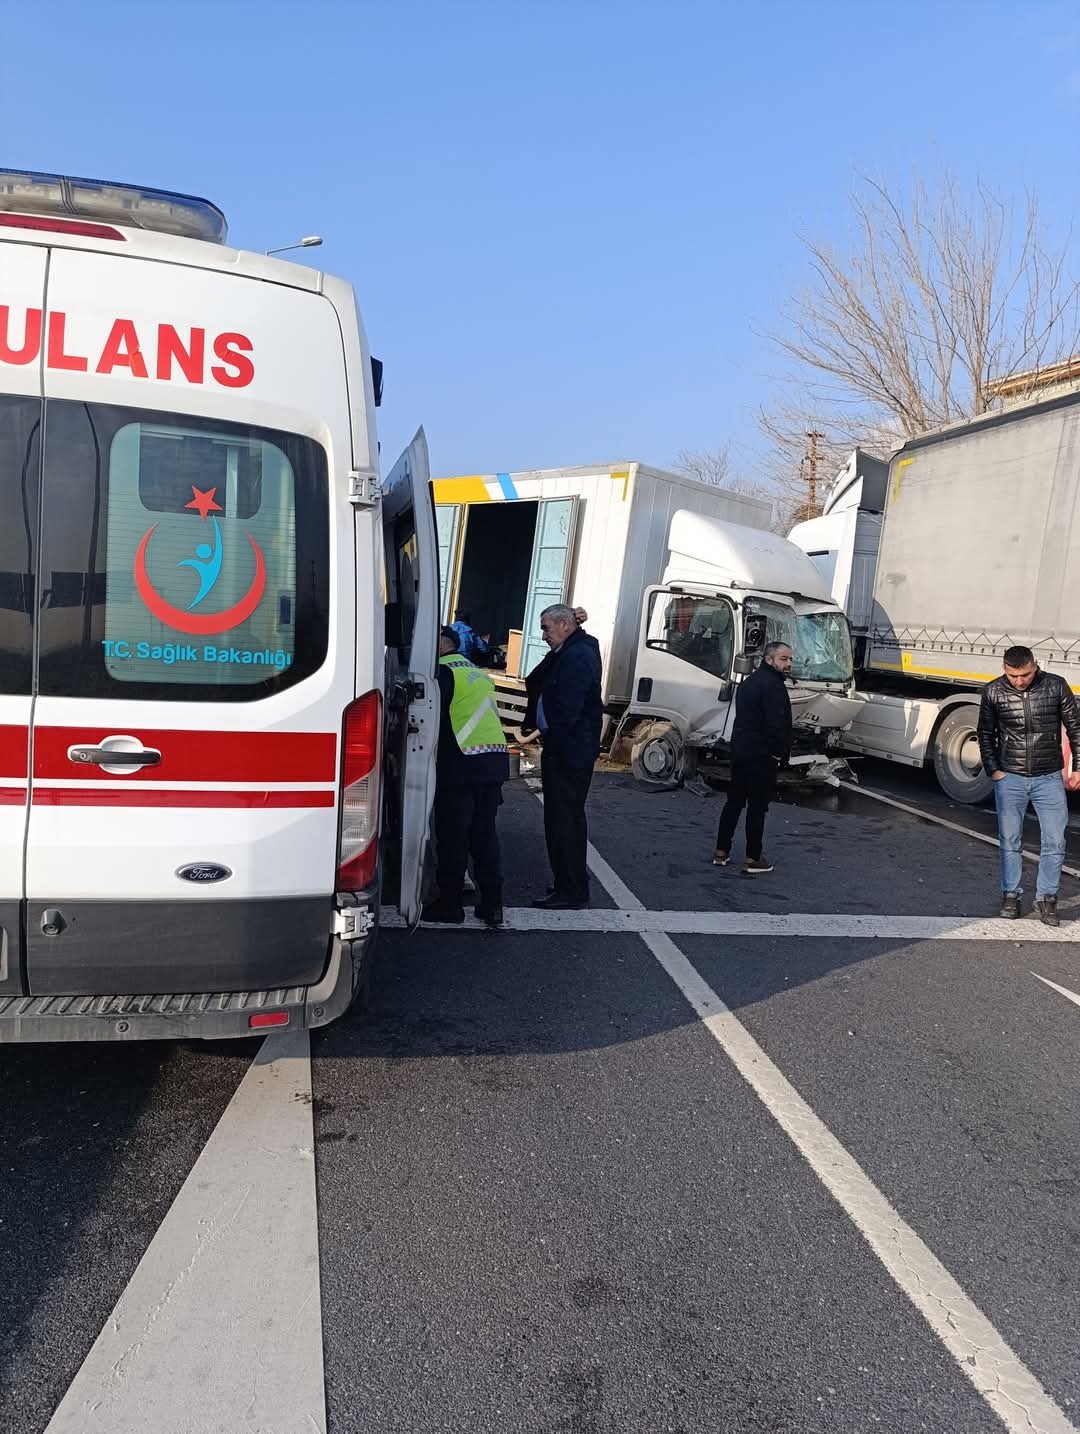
point(473, 713)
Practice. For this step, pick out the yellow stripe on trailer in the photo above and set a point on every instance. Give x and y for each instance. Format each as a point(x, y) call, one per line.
point(904, 463)
point(472, 489)
point(911, 670)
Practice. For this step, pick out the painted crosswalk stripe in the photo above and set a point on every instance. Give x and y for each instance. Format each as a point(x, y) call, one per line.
point(830, 926)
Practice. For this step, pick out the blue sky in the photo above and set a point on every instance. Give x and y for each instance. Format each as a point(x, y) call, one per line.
point(569, 224)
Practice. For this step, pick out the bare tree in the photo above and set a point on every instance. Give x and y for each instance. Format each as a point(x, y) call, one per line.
point(714, 466)
point(940, 295)
point(706, 465)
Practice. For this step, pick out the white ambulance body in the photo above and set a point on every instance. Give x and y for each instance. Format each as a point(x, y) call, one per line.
point(198, 702)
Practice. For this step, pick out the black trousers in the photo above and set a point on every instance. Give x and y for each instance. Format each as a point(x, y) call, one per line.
point(753, 782)
point(565, 826)
point(464, 827)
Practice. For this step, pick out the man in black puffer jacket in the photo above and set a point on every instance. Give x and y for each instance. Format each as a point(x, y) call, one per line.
point(1021, 716)
point(760, 743)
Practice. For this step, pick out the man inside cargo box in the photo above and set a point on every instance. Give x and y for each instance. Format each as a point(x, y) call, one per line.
point(760, 743)
point(1021, 715)
point(472, 645)
point(471, 766)
point(564, 702)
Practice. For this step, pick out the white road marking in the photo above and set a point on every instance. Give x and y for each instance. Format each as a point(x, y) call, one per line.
point(1030, 856)
point(220, 1328)
point(638, 920)
point(998, 1374)
point(1062, 990)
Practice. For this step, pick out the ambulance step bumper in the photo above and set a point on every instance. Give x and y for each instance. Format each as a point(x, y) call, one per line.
point(186, 1015)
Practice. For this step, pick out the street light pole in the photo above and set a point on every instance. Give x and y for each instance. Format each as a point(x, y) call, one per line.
point(310, 241)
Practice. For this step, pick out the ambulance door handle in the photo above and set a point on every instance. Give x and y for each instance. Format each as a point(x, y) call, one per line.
point(114, 757)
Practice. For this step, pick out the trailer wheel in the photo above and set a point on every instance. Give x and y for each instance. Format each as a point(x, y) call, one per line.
point(957, 764)
point(658, 755)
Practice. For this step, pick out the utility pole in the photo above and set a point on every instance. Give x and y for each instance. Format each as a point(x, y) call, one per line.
point(811, 472)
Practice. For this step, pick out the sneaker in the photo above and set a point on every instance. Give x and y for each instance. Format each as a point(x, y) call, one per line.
point(720, 857)
point(490, 915)
point(442, 914)
point(1010, 905)
point(1046, 906)
point(755, 864)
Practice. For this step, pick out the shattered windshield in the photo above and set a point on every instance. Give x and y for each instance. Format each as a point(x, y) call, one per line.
point(820, 641)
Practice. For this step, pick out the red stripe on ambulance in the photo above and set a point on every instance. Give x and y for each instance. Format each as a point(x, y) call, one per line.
point(193, 756)
point(13, 751)
point(191, 797)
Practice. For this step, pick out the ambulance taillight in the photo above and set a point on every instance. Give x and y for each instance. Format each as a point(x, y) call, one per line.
point(361, 794)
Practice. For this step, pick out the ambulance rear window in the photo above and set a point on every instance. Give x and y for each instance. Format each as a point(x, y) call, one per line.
point(182, 557)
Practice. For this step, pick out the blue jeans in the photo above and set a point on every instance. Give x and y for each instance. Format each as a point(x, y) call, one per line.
point(1012, 796)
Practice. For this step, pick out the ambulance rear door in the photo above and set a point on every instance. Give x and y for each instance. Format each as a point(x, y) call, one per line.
point(411, 556)
point(197, 631)
point(22, 289)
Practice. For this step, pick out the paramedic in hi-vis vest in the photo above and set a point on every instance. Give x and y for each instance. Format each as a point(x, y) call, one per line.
point(471, 768)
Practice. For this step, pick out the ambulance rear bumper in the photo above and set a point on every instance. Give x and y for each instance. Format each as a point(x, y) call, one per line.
point(190, 1016)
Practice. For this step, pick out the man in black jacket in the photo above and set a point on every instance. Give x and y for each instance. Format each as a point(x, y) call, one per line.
point(1021, 715)
point(760, 742)
point(564, 701)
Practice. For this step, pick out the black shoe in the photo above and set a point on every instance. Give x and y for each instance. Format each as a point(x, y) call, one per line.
point(490, 915)
point(1010, 906)
point(1046, 906)
point(554, 902)
point(442, 914)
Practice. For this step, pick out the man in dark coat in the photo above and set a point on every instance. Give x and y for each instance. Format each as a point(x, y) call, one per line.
point(760, 744)
point(564, 702)
point(1021, 715)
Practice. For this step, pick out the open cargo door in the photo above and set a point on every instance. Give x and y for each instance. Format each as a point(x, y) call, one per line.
point(549, 577)
point(412, 691)
point(448, 523)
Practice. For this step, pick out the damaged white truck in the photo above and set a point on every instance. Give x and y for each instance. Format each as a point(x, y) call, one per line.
point(683, 584)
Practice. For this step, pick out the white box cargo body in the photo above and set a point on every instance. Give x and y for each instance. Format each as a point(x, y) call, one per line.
point(511, 544)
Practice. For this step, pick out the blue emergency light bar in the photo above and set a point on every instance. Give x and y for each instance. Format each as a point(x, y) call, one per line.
point(98, 200)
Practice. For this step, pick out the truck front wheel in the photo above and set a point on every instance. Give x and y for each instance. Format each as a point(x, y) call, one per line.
point(658, 756)
point(957, 765)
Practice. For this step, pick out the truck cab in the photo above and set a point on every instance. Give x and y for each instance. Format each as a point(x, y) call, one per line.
point(727, 591)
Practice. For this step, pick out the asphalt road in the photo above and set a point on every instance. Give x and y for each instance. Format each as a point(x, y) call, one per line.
point(548, 1200)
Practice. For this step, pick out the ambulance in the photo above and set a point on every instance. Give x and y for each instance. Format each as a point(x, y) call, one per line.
point(218, 627)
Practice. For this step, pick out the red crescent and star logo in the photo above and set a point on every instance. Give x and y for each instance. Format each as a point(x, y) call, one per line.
point(208, 565)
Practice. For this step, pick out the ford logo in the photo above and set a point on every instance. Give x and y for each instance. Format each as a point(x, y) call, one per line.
point(204, 871)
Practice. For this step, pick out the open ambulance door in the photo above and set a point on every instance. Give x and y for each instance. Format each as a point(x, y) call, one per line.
point(412, 689)
point(20, 458)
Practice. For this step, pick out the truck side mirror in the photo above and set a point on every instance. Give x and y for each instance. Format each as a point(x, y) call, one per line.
point(727, 690)
point(755, 631)
point(743, 665)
